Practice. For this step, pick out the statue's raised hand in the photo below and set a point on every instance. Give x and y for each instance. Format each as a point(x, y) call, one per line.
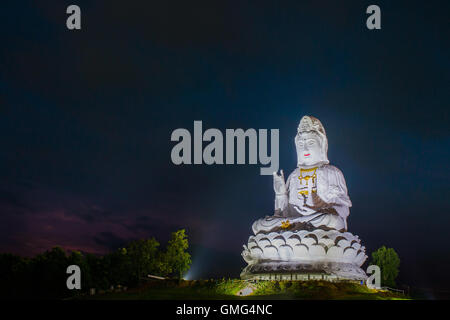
point(278, 183)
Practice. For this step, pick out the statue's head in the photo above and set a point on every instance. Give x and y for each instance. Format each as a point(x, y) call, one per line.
point(311, 143)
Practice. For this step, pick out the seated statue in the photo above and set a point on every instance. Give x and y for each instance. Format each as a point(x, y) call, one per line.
point(307, 234)
point(314, 195)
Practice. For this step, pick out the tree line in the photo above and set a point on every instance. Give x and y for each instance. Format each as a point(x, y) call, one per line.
point(44, 276)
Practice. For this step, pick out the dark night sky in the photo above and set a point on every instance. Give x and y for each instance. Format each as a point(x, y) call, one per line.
point(86, 118)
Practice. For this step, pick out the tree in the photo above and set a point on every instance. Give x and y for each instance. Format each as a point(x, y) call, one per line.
point(120, 267)
point(389, 262)
point(78, 259)
point(14, 276)
point(177, 258)
point(163, 268)
point(143, 256)
point(48, 272)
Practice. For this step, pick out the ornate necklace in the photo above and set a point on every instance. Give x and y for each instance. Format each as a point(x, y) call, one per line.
point(306, 178)
point(313, 176)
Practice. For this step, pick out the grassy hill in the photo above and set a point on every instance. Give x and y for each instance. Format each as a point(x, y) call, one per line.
point(239, 289)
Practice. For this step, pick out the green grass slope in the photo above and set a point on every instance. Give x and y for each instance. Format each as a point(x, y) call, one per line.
point(232, 289)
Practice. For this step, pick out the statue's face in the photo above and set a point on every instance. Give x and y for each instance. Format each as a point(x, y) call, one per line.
point(308, 149)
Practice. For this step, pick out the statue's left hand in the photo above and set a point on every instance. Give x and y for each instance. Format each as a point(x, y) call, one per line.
point(314, 201)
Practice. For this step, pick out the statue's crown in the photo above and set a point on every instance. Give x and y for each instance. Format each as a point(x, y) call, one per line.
point(310, 123)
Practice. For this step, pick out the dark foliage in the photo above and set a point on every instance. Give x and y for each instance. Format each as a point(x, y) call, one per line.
point(44, 276)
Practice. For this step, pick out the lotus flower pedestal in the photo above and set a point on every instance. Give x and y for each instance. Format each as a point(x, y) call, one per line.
point(304, 255)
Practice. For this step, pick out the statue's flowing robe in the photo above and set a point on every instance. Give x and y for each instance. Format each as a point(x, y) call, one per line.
point(330, 209)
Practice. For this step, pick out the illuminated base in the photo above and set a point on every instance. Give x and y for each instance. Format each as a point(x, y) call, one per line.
point(281, 270)
point(304, 255)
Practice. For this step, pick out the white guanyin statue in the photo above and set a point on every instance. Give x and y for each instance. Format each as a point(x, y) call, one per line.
point(307, 235)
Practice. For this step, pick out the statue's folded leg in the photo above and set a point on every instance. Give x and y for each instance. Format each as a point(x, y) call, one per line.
point(266, 224)
point(317, 220)
point(331, 221)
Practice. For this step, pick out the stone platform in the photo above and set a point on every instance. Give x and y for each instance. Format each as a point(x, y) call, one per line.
point(280, 270)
